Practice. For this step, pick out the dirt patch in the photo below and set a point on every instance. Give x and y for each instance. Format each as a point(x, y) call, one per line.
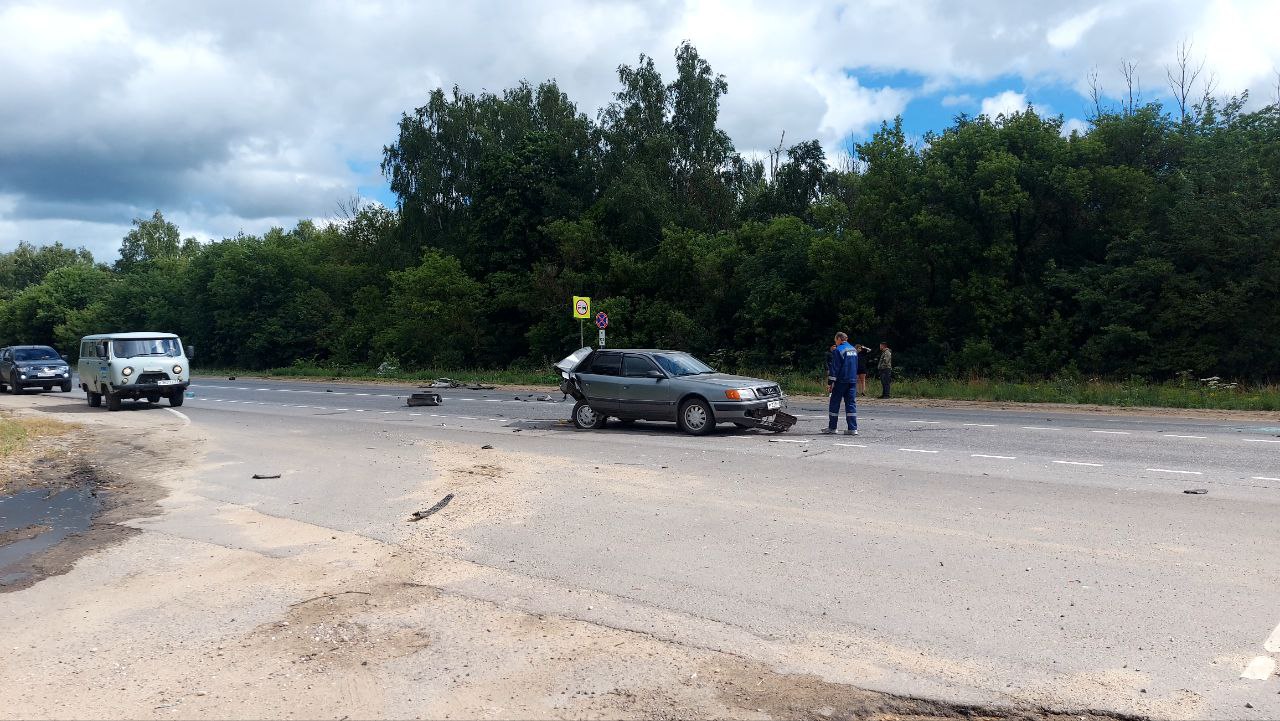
point(68, 468)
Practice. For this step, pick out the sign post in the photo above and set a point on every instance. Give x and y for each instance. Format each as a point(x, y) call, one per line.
point(581, 311)
point(602, 322)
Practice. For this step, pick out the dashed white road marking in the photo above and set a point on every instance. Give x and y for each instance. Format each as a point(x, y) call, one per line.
point(983, 455)
point(1079, 463)
point(789, 440)
point(1272, 643)
point(1170, 470)
point(1039, 428)
point(850, 445)
point(931, 422)
point(1113, 433)
point(1260, 440)
point(981, 425)
point(185, 421)
point(1260, 668)
point(1265, 478)
point(1171, 435)
point(915, 450)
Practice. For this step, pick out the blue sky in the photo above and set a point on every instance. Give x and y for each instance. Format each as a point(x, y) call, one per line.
point(238, 116)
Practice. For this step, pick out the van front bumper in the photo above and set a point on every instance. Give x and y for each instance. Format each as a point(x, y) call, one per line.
point(142, 390)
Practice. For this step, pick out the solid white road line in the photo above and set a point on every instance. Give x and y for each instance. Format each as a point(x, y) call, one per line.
point(1079, 463)
point(850, 445)
point(983, 455)
point(1039, 428)
point(924, 422)
point(981, 425)
point(1265, 478)
point(1260, 440)
point(1272, 643)
point(185, 421)
point(1168, 470)
point(915, 450)
point(1113, 433)
point(1260, 668)
point(789, 440)
point(1170, 435)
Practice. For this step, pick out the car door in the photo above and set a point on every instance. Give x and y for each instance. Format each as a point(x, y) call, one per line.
point(5, 365)
point(642, 395)
point(601, 381)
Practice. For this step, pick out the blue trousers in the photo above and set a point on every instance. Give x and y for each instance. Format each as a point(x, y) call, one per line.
point(847, 392)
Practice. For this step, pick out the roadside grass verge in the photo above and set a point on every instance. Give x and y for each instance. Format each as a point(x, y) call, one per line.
point(1189, 394)
point(16, 433)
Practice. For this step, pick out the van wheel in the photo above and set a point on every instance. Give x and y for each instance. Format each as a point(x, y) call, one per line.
point(586, 418)
point(696, 418)
point(176, 398)
point(113, 402)
point(95, 399)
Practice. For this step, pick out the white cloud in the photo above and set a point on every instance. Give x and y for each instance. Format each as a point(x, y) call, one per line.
point(1006, 103)
point(234, 114)
point(1074, 125)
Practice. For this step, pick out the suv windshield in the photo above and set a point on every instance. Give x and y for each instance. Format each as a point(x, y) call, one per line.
point(682, 364)
point(35, 354)
point(146, 346)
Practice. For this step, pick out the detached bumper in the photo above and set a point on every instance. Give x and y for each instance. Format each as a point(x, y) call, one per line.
point(754, 413)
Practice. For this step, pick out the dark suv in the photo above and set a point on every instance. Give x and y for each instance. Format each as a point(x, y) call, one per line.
point(33, 366)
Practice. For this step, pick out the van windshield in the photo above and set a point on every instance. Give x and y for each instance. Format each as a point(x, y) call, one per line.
point(146, 346)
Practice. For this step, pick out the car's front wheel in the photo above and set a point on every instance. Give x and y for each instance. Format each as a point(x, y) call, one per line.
point(66, 386)
point(696, 418)
point(585, 417)
point(176, 398)
point(14, 388)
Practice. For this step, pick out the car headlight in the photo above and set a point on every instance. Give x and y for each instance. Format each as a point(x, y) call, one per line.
point(177, 370)
point(740, 394)
point(127, 372)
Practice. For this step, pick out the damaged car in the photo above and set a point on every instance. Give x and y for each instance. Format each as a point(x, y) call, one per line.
point(663, 385)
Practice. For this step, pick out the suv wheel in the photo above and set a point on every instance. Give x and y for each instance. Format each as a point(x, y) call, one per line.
point(66, 386)
point(14, 388)
point(696, 418)
point(586, 418)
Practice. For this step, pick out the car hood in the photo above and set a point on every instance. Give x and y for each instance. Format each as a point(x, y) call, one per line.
point(726, 380)
point(39, 363)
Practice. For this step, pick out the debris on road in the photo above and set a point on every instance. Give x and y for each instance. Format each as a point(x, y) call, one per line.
point(1197, 491)
point(451, 383)
point(264, 476)
point(425, 399)
point(486, 447)
point(541, 397)
point(419, 515)
point(231, 378)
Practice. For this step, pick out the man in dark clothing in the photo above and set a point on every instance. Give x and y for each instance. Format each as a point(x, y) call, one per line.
point(885, 367)
point(842, 382)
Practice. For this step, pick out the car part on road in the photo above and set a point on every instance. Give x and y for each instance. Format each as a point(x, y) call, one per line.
point(425, 399)
point(265, 476)
point(486, 447)
point(440, 504)
point(1197, 491)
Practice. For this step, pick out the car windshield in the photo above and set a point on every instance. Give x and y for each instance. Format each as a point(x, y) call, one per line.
point(35, 354)
point(682, 364)
point(146, 346)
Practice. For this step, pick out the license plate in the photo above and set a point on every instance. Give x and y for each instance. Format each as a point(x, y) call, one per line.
point(165, 383)
point(774, 404)
point(47, 374)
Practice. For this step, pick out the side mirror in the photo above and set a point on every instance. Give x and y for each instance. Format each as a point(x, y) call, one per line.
point(190, 351)
point(659, 375)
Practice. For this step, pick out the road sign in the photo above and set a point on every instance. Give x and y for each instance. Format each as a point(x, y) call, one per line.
point(602, 320)
point(602, 337)
point(581, 307)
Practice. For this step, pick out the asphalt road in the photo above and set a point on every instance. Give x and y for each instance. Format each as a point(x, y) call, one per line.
point(967, 555)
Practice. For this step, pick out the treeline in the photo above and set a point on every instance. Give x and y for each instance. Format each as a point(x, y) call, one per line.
point(1149, 246)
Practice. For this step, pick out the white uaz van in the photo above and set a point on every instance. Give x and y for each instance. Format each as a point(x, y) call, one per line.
point(116, 366)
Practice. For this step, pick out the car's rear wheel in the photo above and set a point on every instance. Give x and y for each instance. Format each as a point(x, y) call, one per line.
point(696, 418)
point(95, 399)
point(586, 418)
point(113, 402)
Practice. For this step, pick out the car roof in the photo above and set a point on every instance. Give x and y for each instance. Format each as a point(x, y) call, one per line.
point(128, 336)
point(637, 350)
point(16, 347)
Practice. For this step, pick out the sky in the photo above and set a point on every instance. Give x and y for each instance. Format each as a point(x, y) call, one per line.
point(235, 116)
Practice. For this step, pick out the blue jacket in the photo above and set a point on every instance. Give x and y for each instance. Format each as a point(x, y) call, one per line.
point(842, 367)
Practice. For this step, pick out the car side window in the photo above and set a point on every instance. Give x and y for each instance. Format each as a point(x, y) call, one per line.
point(637, 366)
point(606, 364)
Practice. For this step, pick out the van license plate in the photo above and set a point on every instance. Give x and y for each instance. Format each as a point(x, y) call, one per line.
point(165, 383)
point(774, 404)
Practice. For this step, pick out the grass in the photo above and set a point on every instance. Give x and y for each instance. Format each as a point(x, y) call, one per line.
point(1189, 394)
point(16, 433)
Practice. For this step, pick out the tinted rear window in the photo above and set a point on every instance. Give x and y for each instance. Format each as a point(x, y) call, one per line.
point(605, 364)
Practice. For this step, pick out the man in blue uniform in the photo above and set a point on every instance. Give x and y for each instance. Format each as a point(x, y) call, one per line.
point(842, 381)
